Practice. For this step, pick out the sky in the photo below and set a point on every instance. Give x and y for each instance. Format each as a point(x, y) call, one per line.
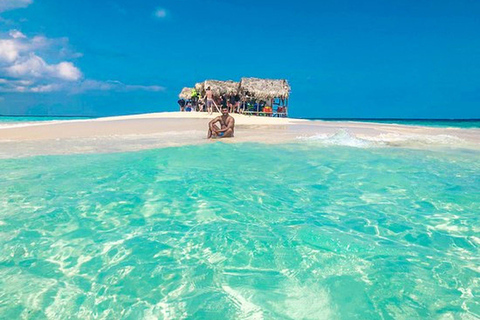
point(342, 58)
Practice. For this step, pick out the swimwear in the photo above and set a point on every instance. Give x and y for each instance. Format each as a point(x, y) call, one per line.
point(209, 103)
point(220, 134)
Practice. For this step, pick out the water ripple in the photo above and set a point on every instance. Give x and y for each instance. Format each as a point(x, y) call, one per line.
point(243, 231)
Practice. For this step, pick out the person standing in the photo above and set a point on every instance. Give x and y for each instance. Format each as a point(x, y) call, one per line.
point(209, 95)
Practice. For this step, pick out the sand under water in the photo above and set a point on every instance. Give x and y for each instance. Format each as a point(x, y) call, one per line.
point(290, 219)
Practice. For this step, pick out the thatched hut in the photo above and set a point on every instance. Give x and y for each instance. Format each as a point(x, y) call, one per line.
point(265, 89)
point(222, 87)
point(267, 97)
point(199, 87)
point(273, 92)
point(186, 93)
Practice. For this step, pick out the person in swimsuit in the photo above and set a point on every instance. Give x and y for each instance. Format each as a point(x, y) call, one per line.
point(227, 124)
point(209, 95)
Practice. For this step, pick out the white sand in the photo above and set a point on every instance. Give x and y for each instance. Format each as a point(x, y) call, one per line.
point(144, 131)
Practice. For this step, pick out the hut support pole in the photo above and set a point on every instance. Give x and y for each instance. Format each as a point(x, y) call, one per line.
point(216, 107)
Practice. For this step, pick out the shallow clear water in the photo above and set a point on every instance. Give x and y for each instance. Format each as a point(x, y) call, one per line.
point(467, 123)
point(242, 231)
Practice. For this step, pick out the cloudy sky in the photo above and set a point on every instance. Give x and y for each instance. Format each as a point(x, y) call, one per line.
point(400, 58)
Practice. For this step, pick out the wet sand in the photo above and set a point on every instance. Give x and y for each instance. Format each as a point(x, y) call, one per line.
point(145, 131)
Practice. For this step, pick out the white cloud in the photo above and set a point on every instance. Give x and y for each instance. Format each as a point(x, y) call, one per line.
point(14, 4)
point(75, 87)
point(46, 88)
point(160, 13)
point(9, 50)
point(36, 67)
point(16, 44)
point(112, 85)
point(66, 71)
point(24, 67)
point(15, 34)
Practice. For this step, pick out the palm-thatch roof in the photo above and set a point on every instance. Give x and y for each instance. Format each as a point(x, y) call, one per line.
point(186, 93)
point(222, 87)
point(199, 87)
point(265, 88)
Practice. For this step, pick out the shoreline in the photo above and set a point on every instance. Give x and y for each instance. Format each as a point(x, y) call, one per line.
point(156, 130)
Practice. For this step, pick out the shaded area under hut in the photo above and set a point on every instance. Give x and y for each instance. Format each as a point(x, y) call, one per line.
point(254, 96)
point(264, 96)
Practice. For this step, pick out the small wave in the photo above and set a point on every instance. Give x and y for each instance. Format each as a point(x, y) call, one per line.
point(394, 139)
point(346, 138)
point(342, 138)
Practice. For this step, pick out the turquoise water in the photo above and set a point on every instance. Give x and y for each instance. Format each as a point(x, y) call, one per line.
point(427, 123)
point(241, 231)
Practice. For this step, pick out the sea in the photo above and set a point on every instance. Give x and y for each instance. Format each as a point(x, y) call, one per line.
point(440, 123)
point(302, 230)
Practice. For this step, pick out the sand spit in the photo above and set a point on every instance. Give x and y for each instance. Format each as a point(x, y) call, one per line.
point(155, 130)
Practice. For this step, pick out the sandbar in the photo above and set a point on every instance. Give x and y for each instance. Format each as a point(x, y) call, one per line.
point(166, 129)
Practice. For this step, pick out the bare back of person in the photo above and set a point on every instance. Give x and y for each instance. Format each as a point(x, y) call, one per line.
point(210, 102)
point(209, 94)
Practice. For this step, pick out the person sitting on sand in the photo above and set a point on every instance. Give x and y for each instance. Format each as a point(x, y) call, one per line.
point(227, 124)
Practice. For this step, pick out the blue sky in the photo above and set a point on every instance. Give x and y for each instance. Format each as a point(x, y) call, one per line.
point(374, 59)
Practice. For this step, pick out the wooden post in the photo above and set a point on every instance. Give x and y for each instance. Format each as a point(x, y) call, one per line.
point(218, 110)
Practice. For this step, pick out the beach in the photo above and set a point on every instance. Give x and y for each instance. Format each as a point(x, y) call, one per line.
point(142, 217)
point(156, 130)
point(346, 186)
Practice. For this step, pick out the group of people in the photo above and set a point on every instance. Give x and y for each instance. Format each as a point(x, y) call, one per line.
point(209, 102)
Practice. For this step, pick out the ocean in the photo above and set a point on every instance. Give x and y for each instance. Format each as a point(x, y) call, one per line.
point(441, 123)
point(242, 231)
